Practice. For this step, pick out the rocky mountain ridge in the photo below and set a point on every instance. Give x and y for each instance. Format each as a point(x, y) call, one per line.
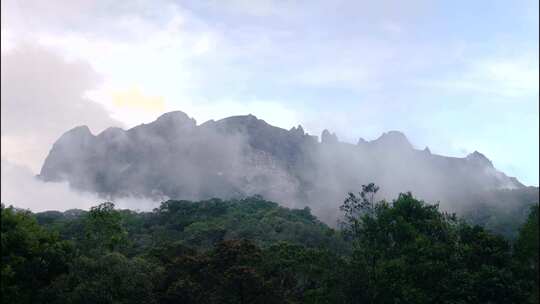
point(173, 157)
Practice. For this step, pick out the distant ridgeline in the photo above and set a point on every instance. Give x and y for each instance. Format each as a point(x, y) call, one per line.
point(240, 156)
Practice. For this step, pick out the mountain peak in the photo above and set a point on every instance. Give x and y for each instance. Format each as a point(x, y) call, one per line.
point(393, 139)
point(241, 120)
point(79, 130)
point(174, 120)
point(479, 158)
point(175, 116)
point(111, 132)
point(77, 134)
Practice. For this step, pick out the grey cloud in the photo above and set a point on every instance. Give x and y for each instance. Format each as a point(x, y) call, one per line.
point(42, 95)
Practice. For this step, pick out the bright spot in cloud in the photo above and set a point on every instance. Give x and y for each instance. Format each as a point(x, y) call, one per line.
point(135, 99)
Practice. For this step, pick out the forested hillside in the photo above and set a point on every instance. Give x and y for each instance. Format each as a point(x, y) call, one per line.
point(202, 224)
point(254, 251)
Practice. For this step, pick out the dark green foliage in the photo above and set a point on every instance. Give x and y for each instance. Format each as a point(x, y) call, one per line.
point(108, 278)
point(305, 275)
point(229, 273)
point(254, 251)
point(526, 253)
point(409, 252)
point(103, 229)
point(32, 257)
point(202, 224)
point(197, 224)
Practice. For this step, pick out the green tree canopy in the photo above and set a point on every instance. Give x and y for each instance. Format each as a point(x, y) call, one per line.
point(32, 257)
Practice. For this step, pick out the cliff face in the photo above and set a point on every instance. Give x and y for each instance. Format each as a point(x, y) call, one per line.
point(242, 155)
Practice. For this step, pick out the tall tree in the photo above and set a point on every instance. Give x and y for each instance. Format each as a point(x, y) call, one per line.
point(103, 229)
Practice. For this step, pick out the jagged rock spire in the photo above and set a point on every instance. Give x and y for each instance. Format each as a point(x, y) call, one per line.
point(328, 138)
point(297, 130)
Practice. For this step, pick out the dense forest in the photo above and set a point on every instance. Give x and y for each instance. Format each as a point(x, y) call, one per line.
point(254, 251)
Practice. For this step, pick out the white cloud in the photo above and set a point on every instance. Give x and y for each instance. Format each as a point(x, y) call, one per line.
point(22, 189)
point(506, 77)
point(42, 97)
point(511, 77)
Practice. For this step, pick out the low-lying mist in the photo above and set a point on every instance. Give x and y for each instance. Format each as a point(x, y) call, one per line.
point(22, 189)
point(240, 156)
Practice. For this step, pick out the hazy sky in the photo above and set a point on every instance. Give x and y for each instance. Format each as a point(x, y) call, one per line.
point(456, 76)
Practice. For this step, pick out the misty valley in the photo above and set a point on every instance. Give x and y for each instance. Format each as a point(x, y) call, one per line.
point(251, 213)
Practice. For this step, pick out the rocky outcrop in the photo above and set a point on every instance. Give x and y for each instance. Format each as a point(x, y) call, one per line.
point(328, 138)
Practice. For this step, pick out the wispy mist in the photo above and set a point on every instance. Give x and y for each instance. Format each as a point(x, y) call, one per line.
point(239, 156)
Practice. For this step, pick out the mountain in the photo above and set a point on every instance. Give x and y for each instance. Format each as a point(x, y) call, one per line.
point(239, 156)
